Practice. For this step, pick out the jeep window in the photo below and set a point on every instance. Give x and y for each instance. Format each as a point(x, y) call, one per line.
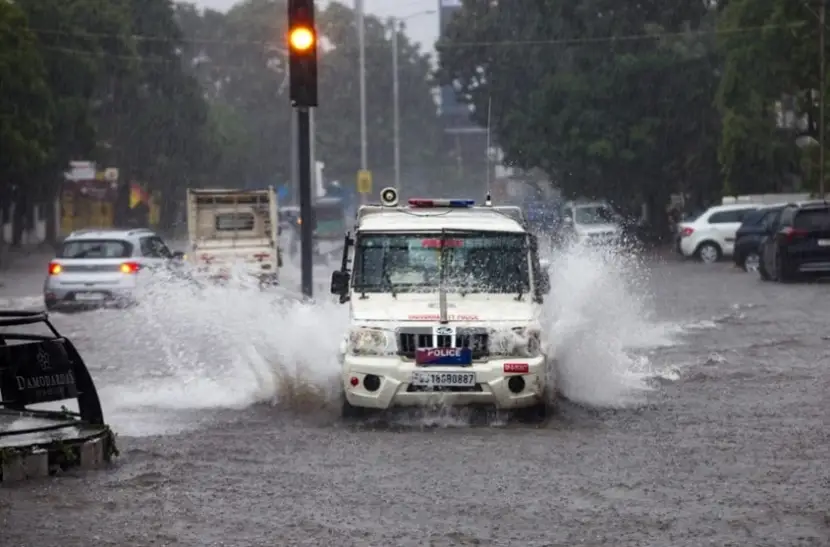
point(489, 263)
point(95, 248)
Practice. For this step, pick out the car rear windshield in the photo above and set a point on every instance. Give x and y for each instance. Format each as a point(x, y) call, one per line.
point(813, 220)
point(95, 248)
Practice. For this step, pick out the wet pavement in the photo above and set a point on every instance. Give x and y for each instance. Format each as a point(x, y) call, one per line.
point(730, 449)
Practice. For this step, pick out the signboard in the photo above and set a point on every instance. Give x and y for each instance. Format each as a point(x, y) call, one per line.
point(364, 181)
point(38, 372)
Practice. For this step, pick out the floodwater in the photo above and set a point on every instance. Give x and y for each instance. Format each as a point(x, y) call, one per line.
point(698, 414)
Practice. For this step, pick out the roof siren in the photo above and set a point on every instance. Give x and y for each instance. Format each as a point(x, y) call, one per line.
point(389, 197)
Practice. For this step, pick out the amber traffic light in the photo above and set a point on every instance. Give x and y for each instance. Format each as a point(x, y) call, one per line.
point(302, 53)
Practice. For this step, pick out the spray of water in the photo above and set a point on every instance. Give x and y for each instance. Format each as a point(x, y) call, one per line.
point(191, 349)
point(598, 320)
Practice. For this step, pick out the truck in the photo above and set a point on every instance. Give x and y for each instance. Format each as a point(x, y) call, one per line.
point(234, 230)
point(445, 303)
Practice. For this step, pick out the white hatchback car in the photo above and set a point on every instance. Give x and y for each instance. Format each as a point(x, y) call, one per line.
point(102, 267)
point(711, 236)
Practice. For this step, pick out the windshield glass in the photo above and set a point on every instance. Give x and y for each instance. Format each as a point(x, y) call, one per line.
point(95, 248)
point(485, 263)
point(814, 220)
point(593, 214)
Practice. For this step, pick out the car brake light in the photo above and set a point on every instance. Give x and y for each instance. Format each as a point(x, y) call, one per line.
point(686, 232)
point(130, 267)
point(793, 233)
point(261, 256)
point(207, 259)
point(55, 268)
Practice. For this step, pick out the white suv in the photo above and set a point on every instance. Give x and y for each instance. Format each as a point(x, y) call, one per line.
point(102, 267)
point(711, 236)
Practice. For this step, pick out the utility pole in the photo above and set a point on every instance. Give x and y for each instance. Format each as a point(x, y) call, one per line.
point(822, 92)
point(302, 59)
point(295, 165)
point(396, 106)
point(361, 45)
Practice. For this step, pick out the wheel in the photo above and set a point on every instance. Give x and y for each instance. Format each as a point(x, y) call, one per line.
point(708, 252)
point(783, 274)
point(532, 414)
point(763, 273)
point(752, 262)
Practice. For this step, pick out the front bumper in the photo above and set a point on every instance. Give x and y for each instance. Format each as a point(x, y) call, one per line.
point(491, 383)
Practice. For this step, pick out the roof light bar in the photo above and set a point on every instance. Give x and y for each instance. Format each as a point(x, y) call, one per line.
point(432, 203)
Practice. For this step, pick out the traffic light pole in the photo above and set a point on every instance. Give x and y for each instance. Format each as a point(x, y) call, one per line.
point(306, 210)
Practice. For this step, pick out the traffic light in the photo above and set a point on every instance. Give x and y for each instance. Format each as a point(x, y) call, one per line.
point(302, 53)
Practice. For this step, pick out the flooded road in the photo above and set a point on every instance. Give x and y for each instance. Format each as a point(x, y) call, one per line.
point(702, 420)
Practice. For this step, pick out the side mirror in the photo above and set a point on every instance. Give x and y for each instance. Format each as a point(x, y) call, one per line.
point(340, 282)
point(178, 255)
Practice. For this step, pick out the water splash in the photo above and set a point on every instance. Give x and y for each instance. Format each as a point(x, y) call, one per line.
point(185, 350)
point(598, 318)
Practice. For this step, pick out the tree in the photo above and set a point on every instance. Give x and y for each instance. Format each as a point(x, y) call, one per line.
point(239, 58)
point(27, 136)
point(26, 106)
point(767, 93)
point(161, 123)
point(593, 92)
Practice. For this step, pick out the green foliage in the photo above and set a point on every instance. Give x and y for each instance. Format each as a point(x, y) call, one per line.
point(641, 100)
point(26, 102)
point(765, 74)
point(239, 59)
point(611, 100)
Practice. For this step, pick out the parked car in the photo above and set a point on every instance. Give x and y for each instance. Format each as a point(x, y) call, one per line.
point(711, 236)
point(798, 243)
point(749, 236)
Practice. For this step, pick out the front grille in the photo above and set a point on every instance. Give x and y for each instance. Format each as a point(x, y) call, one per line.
point(409, 342)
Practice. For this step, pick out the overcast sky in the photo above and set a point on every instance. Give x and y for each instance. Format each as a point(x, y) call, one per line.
point(421, 28)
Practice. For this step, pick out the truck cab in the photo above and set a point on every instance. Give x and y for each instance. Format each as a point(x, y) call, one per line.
point(234, 230)
point(445, 303)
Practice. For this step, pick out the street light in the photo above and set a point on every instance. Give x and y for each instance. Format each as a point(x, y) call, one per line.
point(397, 26)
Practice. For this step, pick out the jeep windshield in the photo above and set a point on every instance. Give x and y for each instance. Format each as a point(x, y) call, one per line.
point(478, 262)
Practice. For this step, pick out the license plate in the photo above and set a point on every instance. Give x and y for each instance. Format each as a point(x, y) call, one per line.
point(89, 296)
point(824, 242)
point(444, 379)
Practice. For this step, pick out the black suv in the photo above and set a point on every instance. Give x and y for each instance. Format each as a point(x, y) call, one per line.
point(798, 243)
point(748, 238)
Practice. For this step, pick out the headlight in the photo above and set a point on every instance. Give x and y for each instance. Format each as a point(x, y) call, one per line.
point(516, 342)
point(369, 341)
